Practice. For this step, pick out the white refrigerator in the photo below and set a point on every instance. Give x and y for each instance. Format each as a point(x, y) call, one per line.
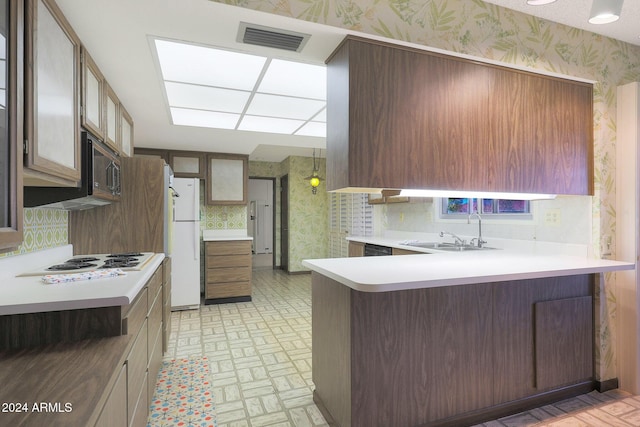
point(185, 256)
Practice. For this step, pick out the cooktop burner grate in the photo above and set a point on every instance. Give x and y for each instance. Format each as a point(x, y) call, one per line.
point(125, 255)
point(81, 260)
point(70, 266)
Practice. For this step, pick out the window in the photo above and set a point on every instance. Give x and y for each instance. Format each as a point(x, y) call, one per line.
point(514, 209)
point(349, 215)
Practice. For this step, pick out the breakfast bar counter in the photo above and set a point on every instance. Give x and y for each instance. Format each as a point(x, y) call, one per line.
point(451, 339)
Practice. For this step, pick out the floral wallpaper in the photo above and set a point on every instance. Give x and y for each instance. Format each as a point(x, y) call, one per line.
point(43, 229)
point(479, 29)
point(308, 213)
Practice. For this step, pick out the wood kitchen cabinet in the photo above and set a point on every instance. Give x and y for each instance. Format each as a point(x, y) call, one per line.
point(112, 119)
point(227, 179)
point(356, 249)
point(187, 164)
point(11, 137)
point(126, 132)
point(404, 118)
point(452, 355)
point(227, 271)
point(52, 113)
point(114, 412)
point(93, 96)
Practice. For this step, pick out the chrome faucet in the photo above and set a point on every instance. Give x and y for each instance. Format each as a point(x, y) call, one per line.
point(459, 241)
point(479, 238)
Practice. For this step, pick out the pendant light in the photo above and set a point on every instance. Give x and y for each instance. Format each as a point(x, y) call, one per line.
point(314, 179)
point(605, 11)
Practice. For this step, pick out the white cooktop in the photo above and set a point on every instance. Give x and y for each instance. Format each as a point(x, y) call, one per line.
point(137, 261)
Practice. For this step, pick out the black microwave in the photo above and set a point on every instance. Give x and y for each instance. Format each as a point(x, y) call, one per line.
point(100, 182)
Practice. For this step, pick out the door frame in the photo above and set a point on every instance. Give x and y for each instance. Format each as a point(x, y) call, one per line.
point(273, 224)
point(284, 222)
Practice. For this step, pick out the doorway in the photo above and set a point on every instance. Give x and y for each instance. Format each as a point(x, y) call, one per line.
point(261, 221)
point(284, 223)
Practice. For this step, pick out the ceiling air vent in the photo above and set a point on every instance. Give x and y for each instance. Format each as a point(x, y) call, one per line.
point(271, 37)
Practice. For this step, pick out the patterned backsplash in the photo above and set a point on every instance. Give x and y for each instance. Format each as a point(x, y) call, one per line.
point(43, 229)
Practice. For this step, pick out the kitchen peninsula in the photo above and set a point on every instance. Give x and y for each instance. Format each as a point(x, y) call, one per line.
point(447, 339)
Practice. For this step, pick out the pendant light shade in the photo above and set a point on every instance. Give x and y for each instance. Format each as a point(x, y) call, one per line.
point(605, 11)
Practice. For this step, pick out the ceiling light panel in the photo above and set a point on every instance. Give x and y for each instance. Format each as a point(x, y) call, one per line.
point(269, 124)
point(207, 66)
point(313, 129)
point(321, 116)
point(295, 79)
point(206, 98)
point(207, 119)
point(284, 107)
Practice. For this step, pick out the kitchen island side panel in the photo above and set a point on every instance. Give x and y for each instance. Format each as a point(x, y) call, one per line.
point(420, 355)
point(331, 342)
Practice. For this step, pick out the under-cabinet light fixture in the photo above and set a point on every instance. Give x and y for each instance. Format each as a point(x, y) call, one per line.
point(539, 2)
point(605, 11)
point(475, 194)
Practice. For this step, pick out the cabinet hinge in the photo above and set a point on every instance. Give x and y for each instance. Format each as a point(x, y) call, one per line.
point(25, 146)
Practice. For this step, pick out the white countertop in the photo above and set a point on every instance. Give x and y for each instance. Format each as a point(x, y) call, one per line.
point(394, 273)
point(30, 295)
point(223, 235)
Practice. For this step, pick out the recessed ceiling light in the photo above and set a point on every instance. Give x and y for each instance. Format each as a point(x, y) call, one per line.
point(539, 2)
point(270, 125)
point(295, 79)
point(183, 62)
point(217, 88)
point(206, 98)
point(207, 119)
point(313, 129)
point(284, 106)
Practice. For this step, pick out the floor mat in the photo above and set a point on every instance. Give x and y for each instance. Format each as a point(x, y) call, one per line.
point(183, 395)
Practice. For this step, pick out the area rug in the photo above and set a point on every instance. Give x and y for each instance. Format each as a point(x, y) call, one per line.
point(183, 395)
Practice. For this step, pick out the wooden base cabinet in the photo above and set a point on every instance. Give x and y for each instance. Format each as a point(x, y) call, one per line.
point(114, 412)
point(228, 271)
point(454, 356)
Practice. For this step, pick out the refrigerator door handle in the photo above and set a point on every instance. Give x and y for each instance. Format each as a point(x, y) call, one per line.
point(196, 242)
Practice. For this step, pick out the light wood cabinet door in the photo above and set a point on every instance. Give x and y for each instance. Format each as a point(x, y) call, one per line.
point(227, 179)
point(53, 96)
point(126, 133)
point(112, 117)
point(93, 93)
point(114, 412)
point(187, 164)
point(11, 135)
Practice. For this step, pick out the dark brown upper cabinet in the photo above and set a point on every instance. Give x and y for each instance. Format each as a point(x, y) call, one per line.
point(11, 115)
point(93, 97)
point(52, 97)
point(400, 117)
point(126, 132)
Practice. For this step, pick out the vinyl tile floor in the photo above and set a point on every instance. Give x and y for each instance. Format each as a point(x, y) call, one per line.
point(259, 359)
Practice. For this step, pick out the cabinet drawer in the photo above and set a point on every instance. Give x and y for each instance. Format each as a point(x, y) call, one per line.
point(216, 261)
point(136, 314)
point(229, 248)
point(154, 285)
point(227, 290)
point(136, 369)
point(141, 408)
point(154, 323)
point(155, 363)
point(241, 274)
point(114, 412)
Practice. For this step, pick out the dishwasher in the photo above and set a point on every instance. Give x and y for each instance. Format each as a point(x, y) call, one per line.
point(376, 250)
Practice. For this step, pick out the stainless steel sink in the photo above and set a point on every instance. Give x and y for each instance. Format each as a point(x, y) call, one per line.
point(445, 246)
